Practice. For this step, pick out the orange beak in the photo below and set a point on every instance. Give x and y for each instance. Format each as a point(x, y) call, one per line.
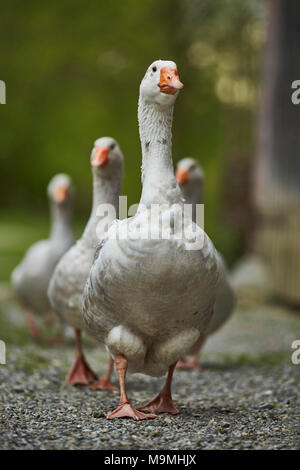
point(182, 176)
point(169, 81)
point(100, 157)
point(60, 194)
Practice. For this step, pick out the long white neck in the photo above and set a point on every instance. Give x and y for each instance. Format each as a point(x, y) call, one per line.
point(159, 183)
point(61, 222)
point(106, 190)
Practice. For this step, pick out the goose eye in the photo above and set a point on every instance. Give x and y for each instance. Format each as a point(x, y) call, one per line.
point(112, 146)
point(154, 68)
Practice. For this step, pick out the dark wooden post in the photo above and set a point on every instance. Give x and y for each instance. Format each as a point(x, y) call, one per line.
point(277, 173)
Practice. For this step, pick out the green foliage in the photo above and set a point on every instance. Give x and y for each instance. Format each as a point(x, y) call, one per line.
point(73, 69)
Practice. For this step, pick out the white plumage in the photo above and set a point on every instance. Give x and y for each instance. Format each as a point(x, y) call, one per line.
point(150, 299)
point(190, 176)
point(69, 278)
point(31, 277)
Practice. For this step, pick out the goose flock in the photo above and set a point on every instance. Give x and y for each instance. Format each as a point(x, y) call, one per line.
point(150, 299)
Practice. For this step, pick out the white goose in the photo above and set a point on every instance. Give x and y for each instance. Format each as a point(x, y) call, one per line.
point(190, 177)
point(150, 299)
point(31, 277)
point(69, 278)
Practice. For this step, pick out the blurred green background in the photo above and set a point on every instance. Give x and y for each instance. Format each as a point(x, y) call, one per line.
point(72, 71)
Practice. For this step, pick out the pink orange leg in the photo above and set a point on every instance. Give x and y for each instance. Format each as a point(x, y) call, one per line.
point(104, 383)
point(193, 364)
point(125, 409)
point(80, 372)
point(57, 340)
point(36, 333)
point(32, 327)
point(163, 402)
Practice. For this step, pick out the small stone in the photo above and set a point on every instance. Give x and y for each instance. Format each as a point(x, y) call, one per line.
point(266, 406)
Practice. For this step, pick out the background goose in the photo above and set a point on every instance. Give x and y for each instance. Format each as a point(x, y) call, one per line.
point(31, 277)
point(70, 275)
point(149, 299)
point(190, 177)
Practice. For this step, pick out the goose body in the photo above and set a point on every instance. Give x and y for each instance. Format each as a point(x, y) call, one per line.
point(70, 275)
point(149, 298)
point(67, 283)
point(31, 277)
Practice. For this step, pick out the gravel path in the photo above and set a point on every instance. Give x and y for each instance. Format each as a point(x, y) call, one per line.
point(246, 397)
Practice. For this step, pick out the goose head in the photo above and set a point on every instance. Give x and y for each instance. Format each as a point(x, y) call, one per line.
point(106, 157)
point(189, 171)
point(161, 83)
point(190, 178)
point(60, 189)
